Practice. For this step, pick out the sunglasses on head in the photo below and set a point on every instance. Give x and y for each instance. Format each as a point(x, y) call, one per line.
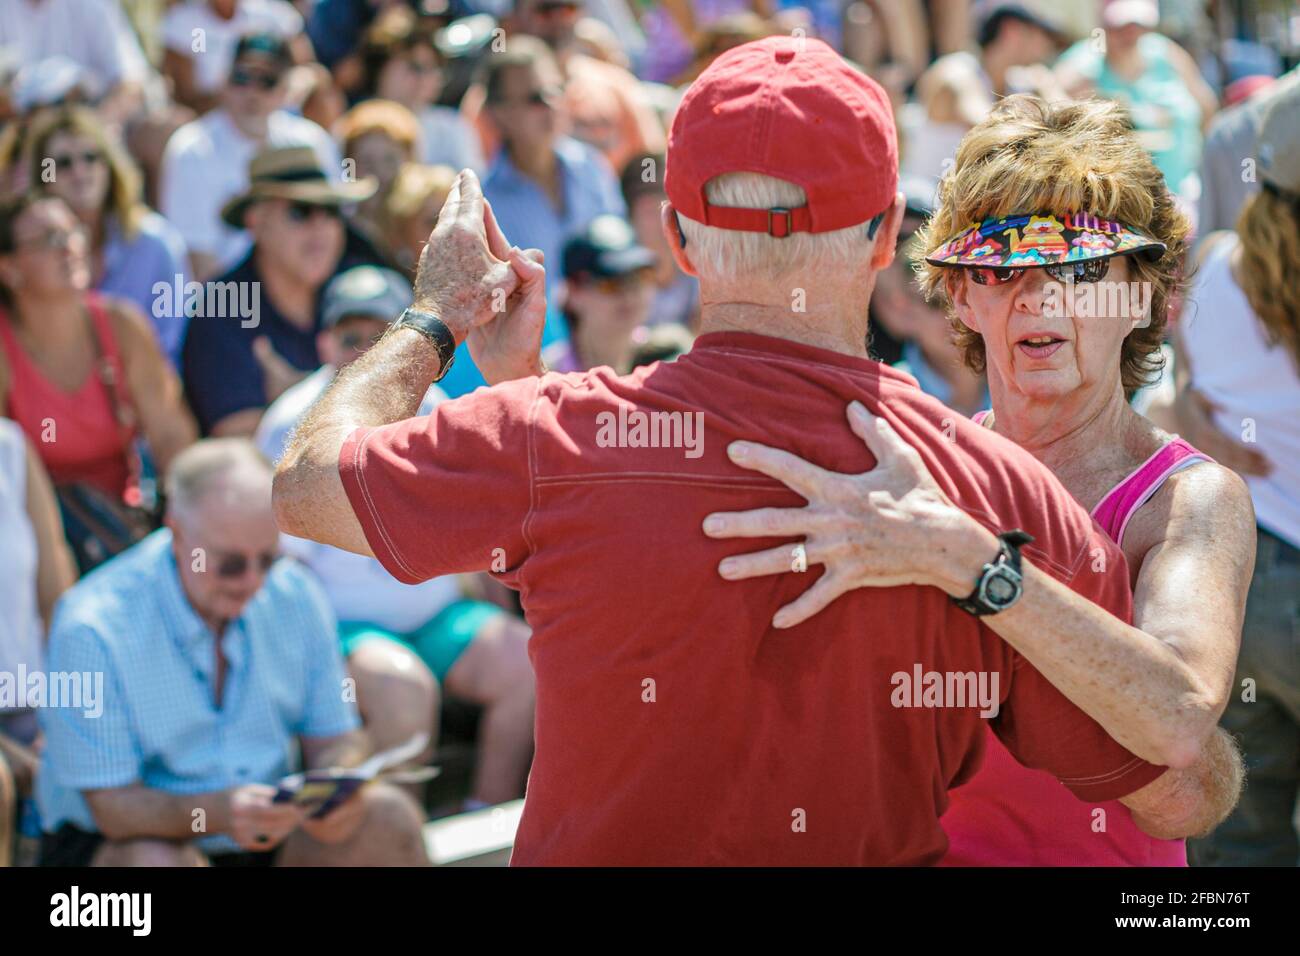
point(263, 81)
point(67, 160)
point(235, 564)
point(302, 211)
point(1086, 270)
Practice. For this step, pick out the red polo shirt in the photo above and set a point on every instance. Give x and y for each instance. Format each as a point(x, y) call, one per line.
point(674, 724)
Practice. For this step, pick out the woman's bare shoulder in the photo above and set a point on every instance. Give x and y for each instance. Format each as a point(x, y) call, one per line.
point(1202, 505)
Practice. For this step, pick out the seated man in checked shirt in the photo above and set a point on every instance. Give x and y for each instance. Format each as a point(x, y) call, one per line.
point(206, 661)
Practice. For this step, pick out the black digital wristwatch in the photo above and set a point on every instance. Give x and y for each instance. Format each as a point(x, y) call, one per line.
point(1000, 583)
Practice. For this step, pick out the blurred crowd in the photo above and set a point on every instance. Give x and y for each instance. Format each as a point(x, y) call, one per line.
point(210, 207)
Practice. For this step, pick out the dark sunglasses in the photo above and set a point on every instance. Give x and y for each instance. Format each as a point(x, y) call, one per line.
point(68, 160)
point(551, 7)
point(420, 67)
point(302, 211)
point(263, 81)
point(358, 342)
point(1087, 270)
point(546, 96)
point(235, 565)
point(631, 284)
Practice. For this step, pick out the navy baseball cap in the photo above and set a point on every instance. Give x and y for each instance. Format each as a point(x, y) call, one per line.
point(606, 249)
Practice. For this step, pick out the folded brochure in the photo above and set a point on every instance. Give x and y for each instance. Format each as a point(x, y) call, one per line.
point(324, 789)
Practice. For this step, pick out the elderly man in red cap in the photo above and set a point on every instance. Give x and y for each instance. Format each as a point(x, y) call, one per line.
point(674, 723)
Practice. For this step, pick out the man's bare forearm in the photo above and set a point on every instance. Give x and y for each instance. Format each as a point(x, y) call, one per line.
point(137, 811)
point(385, 385)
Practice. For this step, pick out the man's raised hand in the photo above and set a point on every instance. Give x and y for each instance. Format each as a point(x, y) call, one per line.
point(459, 278)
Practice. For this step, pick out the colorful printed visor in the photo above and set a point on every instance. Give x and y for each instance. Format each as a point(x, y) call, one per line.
point(1041, 240)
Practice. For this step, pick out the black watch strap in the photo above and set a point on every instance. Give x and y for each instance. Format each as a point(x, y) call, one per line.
point(436, 330)
point(986, 599)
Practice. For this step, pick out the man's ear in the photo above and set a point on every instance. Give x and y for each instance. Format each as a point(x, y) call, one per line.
point(887, 235)
point(676, 238)
point(254, 215)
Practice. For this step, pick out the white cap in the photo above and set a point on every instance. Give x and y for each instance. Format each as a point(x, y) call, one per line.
point(48, 82)
point(1118, 13)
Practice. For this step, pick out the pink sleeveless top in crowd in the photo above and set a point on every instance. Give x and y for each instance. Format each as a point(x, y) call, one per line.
point(91, 445)
point(1009, 815)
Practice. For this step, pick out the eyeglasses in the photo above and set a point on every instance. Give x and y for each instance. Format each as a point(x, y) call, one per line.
point(632, 284)
point(52, 239)
point(234, 564)
point(68, 160)
point(300, 212)
point(546, 96)
point(420, 67)
point(263, 81)
point(1087, 270)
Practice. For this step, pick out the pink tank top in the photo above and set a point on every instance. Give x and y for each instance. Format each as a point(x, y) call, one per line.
point(89, 443)
point(1009, 815)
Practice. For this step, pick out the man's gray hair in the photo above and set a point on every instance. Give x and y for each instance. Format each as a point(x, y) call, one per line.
point(208, 464)
point(729, 254)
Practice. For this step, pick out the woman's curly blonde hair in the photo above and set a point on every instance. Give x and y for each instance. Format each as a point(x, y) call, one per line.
point(1269, 229)
point(1032, 156)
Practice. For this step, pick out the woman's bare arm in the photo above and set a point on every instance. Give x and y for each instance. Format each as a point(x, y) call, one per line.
point(55, 569)
point(1158, 687)
point(154, 388)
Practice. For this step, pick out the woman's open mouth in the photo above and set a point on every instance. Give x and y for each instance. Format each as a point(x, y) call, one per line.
point(1039, 346)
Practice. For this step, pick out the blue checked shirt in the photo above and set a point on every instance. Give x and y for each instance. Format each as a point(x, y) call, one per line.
point(525, 213)
point(159, 724)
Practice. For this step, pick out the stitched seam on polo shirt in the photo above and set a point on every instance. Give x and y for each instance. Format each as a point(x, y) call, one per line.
point(370, 506)
point(525, 528)
point(672, 476)
point(1122, 771)
point(787, 360)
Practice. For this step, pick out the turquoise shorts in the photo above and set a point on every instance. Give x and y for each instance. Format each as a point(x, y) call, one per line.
point(439, 643)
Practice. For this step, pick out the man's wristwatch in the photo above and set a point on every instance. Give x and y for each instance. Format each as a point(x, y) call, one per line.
point(1000, 583)
point(434, 329)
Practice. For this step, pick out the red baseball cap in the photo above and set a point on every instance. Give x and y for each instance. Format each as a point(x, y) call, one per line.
point(792, 108)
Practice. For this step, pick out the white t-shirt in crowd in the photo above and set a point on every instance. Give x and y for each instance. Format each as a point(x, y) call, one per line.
point(20, 620)
point(1256, 384)
point(93, 33)
point(219, 37)
point(205, 164)
point(359, 588)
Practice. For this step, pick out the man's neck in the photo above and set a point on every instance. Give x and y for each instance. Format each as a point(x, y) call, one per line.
point(835, 328)
point(250, 126)
point(294, 300)
point(538, 165)
point(594, 351)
